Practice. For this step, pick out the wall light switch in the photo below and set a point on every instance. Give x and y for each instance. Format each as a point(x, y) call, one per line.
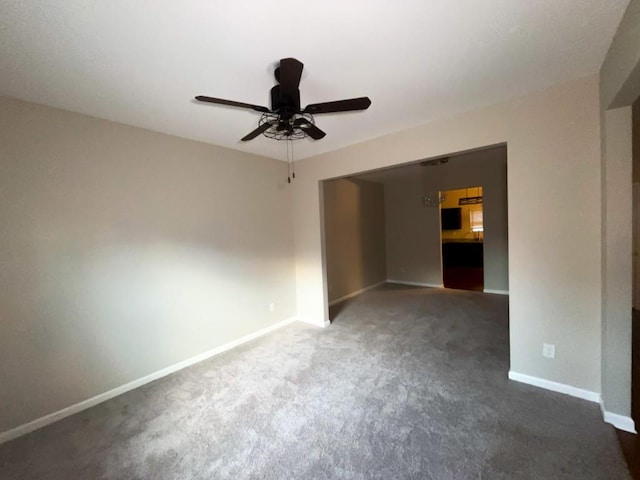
point(548, 350)
point(272, 307)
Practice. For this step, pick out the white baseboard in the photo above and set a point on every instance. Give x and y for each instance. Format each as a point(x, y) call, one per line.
point(497, 292)
point(621, 422)
point(356, 293)
point(319, 323)
point(90, 402)
point(555, 386)
point(416, 284)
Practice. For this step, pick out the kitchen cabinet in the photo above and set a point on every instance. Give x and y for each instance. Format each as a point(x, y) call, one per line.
point(462, 253)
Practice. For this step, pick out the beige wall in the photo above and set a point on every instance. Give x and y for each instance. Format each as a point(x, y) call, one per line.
point(635, 129)
point(413, 230)
point(413, 236)
point(125, 251)
point(635, 135)
point(617, 267)
point(619, 87)
point(553, 141)
point(355, 235)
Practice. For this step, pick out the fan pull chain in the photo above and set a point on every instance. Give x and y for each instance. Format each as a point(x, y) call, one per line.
point(293, 165)
point(288, 165)
point(291, 173)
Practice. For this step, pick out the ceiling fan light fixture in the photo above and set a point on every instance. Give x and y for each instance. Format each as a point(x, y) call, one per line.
point(299, 126)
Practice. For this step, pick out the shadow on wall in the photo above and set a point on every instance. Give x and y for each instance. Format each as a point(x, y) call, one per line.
point(126, 252)
point(355, 243)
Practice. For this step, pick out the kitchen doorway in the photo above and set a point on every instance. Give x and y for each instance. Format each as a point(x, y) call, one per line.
point(462, 236)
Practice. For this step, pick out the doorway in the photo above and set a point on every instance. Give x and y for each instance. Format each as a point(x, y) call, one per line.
point(462, 238)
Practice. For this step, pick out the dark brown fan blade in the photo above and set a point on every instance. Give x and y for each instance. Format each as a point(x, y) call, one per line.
point(308, 127)
point(261, 129)
point(361, 103)
point(231, 103)
point(289, 74)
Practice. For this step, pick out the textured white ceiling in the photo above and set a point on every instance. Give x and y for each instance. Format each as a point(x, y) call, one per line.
point(141, 62)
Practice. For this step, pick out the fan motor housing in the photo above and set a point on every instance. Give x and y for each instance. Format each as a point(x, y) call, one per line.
point(288, 103)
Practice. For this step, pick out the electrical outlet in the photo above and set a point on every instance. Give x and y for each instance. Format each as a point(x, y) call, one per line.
point(272, 307)
point(548, 350)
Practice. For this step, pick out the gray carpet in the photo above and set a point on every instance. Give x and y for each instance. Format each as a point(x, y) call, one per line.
point(407, 383)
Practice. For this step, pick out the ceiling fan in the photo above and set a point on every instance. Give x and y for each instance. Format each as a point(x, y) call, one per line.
point(286, 120)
